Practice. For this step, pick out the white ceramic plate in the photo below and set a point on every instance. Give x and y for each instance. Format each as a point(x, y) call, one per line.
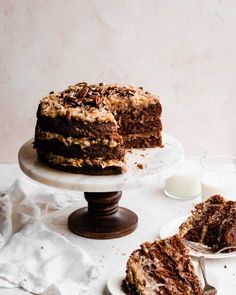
point(172, 227)
point(115, 280)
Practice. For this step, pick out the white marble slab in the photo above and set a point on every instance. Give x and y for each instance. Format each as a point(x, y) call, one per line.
point(158, 163)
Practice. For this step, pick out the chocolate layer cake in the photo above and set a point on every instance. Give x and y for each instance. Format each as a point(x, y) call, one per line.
point(86, 128)
point(212, 223)
point(163, 267)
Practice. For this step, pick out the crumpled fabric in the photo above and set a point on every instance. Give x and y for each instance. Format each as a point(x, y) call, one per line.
point(32, 256)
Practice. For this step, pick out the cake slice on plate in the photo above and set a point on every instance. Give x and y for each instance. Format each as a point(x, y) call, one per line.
point(163, 267)
point(212, 223)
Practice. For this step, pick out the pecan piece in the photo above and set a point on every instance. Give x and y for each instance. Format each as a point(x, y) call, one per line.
point(71, 101)
point(82, 84)
point(83, 92)
point(92, 100)
point(96, 99)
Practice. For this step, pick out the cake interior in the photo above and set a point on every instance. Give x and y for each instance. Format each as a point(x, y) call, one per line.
point(212, 223)
point(162, 267)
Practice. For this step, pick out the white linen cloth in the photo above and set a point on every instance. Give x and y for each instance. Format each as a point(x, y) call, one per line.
point(32, 256)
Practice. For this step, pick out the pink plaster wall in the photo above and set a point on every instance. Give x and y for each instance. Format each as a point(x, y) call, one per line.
point(182, 50)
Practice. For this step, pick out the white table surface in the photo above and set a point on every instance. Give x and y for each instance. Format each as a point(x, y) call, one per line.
point(153, 209)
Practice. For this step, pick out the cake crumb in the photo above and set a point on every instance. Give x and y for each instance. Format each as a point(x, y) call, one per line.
point(42, 247)
point(140, 166)
point(225, 266)
point(130, 151)
point(142, 155)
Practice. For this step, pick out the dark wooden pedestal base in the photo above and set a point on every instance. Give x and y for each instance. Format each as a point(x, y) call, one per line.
point(103, 218)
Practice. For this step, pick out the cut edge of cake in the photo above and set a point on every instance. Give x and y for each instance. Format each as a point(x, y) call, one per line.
point(212, 223)
point(161, 267)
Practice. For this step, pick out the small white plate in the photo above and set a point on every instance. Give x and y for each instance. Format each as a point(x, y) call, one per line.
point(114, 282)
point(172, 227)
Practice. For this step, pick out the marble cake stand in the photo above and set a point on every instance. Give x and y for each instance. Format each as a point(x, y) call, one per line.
point(103, 218)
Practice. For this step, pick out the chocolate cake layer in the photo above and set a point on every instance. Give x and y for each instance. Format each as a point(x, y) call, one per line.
point(162, 267)
point(227, 230)
point(181, 269)
point(150, 113)
point(138, 127)
point(66, 127)
point(212, 223)
point(142, 141)
point(212, 228)
point(86, 169)
point(75, 151)
point(192, 229)
point(145, 273)
point(199, 228)
point(110, 141)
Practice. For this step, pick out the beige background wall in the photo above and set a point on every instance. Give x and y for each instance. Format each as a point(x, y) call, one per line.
point(183, 50)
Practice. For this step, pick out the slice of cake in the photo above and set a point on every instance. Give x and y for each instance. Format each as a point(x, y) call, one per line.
point(86, 128)
point(212, 223)
point(162, 267)
point(137, 113)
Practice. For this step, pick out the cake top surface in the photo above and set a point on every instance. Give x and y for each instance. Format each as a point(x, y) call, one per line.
point(94, 102)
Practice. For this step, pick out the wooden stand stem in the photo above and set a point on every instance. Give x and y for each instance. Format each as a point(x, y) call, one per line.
point(103, 218)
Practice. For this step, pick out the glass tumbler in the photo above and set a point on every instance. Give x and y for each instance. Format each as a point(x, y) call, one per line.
point(186, 182)
point(219, 177)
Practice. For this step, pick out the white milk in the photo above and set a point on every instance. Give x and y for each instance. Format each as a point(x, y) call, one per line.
point(186, 183)
point(219, 183)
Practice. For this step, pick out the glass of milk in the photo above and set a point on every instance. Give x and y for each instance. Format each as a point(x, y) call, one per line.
point(186, 182)
point(219, 177)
